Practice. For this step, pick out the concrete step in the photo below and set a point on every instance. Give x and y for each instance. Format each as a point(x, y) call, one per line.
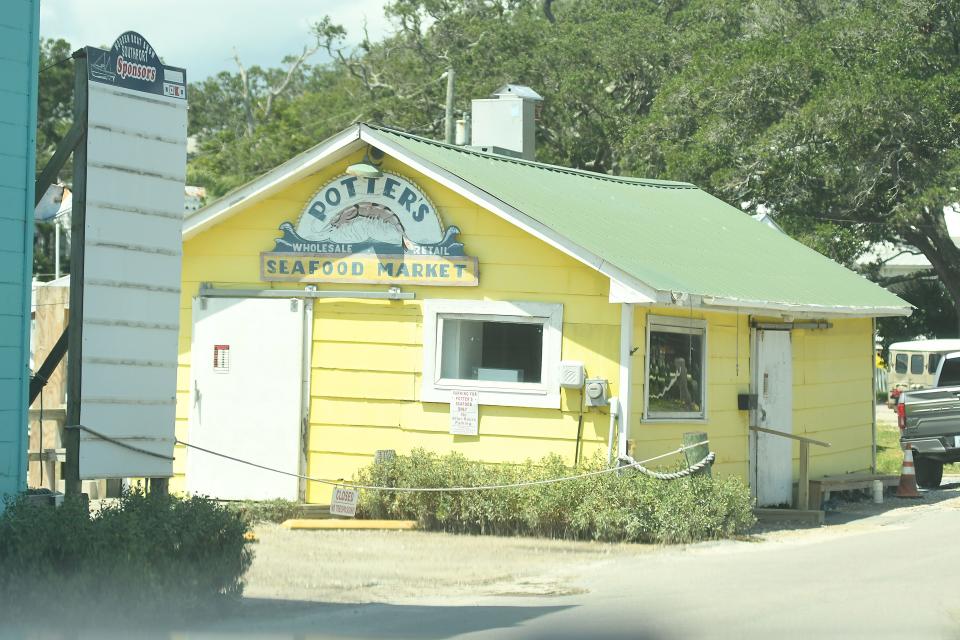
point(331, 524)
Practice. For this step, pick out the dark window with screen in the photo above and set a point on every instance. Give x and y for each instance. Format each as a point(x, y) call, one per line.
point(901, 364)
point(916, 364)
point(933, 361)
point(950, 374)
point(675, 372)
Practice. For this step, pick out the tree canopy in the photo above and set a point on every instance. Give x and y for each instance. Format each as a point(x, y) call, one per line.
point(841, 117)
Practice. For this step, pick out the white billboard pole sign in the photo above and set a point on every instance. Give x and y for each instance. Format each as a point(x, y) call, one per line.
point(136, 166)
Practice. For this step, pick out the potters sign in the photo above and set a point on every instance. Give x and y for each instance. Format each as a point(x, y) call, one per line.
point(369, 230)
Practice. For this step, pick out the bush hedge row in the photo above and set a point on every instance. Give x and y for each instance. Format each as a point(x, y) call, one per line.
point(616, 507)
point(256, 511)
point(150, 552)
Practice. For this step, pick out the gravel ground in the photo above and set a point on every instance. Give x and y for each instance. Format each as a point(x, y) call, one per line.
point(406, 566)
point(378, 566)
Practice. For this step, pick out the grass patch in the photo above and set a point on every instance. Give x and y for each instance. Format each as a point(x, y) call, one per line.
point(626, 507)
point(890, 456)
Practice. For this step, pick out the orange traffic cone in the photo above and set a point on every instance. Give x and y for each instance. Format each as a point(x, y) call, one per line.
point(908, 478)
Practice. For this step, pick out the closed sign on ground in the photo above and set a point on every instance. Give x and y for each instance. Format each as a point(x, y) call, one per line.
point(344, 501)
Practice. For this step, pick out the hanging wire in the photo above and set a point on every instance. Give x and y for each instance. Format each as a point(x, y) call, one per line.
point(56, 64)
point(631, 463)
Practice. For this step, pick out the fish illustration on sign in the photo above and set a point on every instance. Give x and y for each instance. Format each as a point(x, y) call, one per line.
point(375, 213)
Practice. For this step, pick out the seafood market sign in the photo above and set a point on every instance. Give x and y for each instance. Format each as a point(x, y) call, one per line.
point(371, 231)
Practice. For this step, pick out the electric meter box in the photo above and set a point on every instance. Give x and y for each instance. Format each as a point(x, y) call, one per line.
point(596, 392)
point(571, 374)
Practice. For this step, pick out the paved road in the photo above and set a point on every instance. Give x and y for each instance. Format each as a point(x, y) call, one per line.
point(887, 574)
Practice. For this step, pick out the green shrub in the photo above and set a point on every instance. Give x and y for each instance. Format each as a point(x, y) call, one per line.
point(256, 511)
point(627, 507)
point(153, 553)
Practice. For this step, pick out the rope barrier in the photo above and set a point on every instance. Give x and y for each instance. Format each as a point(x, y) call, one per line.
point(674, 475)
point(628, 463)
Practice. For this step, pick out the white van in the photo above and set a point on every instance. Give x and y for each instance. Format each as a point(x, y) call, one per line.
point(913, 365)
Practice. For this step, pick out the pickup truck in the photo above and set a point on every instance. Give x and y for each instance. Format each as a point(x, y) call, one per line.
point(929, 421)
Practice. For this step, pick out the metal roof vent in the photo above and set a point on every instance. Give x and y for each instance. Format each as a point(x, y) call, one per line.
point(518, 90)
point(506, 122)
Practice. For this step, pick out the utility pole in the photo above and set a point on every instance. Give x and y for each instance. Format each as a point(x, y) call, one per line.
point(450, 125)
point(78, 216)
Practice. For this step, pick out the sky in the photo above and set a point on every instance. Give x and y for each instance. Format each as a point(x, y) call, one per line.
point(201, 35)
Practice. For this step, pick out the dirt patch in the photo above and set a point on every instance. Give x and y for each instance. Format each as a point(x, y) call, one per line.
point(395, 566)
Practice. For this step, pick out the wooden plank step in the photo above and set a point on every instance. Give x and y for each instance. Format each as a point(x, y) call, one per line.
point(314, 512)
point(851, 482)
point(333, 524)
point(861, 480)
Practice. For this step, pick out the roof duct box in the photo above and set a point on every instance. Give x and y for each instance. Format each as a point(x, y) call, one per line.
point(506, 121)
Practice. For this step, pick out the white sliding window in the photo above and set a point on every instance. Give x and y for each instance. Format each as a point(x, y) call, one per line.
point(509, 352)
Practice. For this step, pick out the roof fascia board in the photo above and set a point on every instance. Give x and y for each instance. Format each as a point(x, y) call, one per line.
point(294, 169)
point(624, 293)
point(514, 216)
point(732, 304)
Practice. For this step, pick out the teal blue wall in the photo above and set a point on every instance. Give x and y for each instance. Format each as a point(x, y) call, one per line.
point(19, 42)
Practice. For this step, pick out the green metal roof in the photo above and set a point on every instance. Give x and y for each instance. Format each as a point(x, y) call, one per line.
point(671, 236)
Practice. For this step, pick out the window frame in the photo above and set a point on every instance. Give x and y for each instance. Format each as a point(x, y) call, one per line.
point(544, 394)
point(934, 360)
point(914, 358)
point(686, 326)
point(897, 359)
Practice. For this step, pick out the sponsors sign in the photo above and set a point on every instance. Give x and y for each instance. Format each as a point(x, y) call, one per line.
point(369, 230)
point(132, 63)
point(127, 312)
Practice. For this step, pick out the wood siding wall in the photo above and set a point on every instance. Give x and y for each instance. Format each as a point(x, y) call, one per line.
point(19, 37)
point(832, 393)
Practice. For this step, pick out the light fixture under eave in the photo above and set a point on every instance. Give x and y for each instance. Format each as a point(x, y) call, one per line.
point(365, 168)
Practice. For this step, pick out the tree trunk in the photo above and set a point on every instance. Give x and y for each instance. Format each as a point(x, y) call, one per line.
point(933, 240)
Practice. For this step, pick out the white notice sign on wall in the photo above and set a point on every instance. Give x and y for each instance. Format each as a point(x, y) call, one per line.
point(344, 501)
point(464, 416)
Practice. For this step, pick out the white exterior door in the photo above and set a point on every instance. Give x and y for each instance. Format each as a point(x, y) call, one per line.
point(771, 460)
point(246, 384)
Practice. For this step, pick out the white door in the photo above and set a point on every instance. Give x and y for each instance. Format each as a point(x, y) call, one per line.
point(246, 372)
point(771, 462)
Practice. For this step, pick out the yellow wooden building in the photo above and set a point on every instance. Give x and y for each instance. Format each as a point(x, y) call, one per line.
point(375, 291)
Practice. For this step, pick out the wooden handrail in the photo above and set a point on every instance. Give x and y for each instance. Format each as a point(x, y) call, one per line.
point(819, 443)
point(803, 486)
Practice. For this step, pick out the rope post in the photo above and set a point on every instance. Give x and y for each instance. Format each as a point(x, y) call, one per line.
point(696, 449)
